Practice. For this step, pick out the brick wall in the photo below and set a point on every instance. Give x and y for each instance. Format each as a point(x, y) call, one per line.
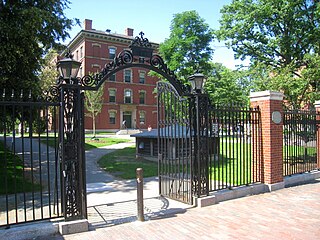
point(270, 104)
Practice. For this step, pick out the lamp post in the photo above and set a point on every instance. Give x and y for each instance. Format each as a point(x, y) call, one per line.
point(197, 82)
point(68, 68)
point(71, 140)
point(200, 134)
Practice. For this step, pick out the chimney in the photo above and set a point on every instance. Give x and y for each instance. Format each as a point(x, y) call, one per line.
point(87, 24)
point(129, 32)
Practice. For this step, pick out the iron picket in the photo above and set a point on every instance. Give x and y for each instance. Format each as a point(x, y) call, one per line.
point(29, 168)
point(300, 141)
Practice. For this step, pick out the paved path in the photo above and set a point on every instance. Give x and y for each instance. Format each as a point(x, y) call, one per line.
point(112, 201)
point(94, 172)
point(291, 213)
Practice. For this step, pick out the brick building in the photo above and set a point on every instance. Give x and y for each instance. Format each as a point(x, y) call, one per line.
point(129, 94)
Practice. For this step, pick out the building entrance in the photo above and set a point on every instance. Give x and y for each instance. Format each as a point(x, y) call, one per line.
point(127, 117)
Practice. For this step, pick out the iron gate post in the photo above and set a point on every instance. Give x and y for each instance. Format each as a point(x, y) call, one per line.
point(199, 117)
point(72, 157)
point(201, 155)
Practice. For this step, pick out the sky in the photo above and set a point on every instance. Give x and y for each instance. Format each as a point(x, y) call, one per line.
point(151, 17)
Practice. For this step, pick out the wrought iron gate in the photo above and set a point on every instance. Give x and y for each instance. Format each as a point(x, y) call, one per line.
point(300, 130)
point(174, 138)
point(29, 164)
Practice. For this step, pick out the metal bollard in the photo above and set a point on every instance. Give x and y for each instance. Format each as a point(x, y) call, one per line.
point(139, 173)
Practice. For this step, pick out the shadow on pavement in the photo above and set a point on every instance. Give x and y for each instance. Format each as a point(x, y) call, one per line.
point(106, 215)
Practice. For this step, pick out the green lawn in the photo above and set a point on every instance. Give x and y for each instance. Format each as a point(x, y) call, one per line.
point(123, 164)
point(12, 177)
point(234, 164)
point(89, 143)
point(294, 153)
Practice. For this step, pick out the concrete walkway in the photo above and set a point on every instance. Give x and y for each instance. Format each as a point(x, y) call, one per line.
point(112, 201)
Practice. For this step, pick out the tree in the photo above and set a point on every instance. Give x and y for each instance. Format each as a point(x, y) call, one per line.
point(225, 85)
point(277, 34)
point(48, 73)
point(93, 104)
point(27, 30)
point(188, 47)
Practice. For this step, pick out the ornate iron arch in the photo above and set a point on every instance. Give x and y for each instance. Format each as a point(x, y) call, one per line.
point(140, 55)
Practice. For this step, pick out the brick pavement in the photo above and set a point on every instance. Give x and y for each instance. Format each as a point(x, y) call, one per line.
point(290, 213)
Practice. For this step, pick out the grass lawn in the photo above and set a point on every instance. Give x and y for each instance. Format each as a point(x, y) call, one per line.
point(233, 164)
point(12, 175)
point(123, 163)
point(90, 143)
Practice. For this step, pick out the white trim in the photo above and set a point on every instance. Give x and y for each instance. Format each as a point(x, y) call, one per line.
point(317, 104)
point(95, 65)
point(96, 45)
point(266, 95)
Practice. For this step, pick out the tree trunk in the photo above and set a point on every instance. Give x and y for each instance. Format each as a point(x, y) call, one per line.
point(94, 125)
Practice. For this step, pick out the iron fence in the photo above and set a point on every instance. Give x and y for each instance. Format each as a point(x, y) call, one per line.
point(234, 140)
point(300, 141)
point(29, 166)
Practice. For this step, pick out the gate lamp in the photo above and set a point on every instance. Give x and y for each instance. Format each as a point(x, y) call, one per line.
point(68, 68)
point(197, 82)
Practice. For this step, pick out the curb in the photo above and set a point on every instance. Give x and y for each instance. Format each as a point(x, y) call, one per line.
point(30, 231)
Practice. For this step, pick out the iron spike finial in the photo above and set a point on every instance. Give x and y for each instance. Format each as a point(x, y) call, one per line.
point(141, 35)
point(69, 54)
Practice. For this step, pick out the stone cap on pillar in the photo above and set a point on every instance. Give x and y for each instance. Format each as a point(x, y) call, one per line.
point(317, 104)
point(266, 95)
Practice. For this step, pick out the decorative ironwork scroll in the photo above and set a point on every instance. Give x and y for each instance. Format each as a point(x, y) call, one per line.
point(72, 153)
point(200, 123)
point(140, 55)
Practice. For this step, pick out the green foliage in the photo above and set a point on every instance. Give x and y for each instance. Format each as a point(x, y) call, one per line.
point(270, 31)
point(224, 85)
point(48, 73)
point(93, 104)
point(281, 40)
point(188, 47)
point(27, 30)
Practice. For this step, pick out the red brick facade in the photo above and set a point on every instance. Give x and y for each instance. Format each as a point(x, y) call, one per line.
point(270, 104)
point(129, 95)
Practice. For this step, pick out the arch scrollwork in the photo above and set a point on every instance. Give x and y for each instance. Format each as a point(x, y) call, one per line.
point(139, 55)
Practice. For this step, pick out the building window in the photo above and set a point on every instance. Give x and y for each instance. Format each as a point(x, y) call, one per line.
point(81, 52)
point(77, 55)
point(142, 77)
point(142, 117)
point(127, 96)
point(142, 97)
point(112, 117)
point(112, 77)
point(80, 73)
point(112, 53)
point(127, 76)
point(112, 95)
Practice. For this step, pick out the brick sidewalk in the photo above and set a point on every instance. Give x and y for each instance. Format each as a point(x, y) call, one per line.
point(291, 213)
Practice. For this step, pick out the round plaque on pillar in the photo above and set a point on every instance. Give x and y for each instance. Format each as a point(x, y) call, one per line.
point(276, 117)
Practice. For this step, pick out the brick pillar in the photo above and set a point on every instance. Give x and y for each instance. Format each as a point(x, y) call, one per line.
point(317, 106)
point(270, 104)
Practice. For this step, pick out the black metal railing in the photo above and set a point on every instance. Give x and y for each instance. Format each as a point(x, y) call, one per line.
point(174, 139)
point(300, 141)
point(29, 167)
point(234, 144)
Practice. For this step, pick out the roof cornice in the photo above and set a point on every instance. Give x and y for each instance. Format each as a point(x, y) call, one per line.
point(99, 35)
